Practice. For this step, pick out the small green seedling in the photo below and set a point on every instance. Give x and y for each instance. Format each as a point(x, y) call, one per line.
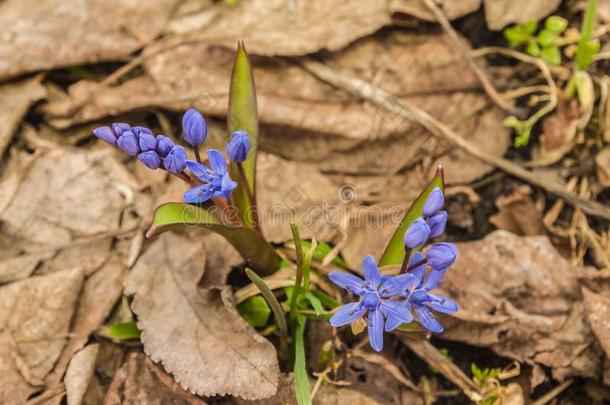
point(545, 45)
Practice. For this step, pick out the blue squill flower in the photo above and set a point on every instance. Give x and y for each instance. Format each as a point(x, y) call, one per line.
point(105, 134)
point(441, 255)
point(431, 225)
point(239, 146)
point(194, 127)
point(164, 145)
point(119, 127)
point(175, 161)
point(375, 291)
point(420, 299)
point(128, 143)
point(216, 179)
point(150, 158)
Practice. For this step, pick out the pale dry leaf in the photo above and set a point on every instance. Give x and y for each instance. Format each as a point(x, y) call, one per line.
point(34, 34)
point(280, 27)
point(500, 13)
point(20, 267)
point(521, 298)
point(602, 166)
point(14, 388)
point(452, 9)
point(518, 214)
point(36, 312)
point(79, 373)
point(196, 334)
point(15, 100)
point(598, 314)
point(100, 293)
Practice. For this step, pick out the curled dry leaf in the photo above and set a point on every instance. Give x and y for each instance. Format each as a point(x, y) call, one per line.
point(35, 319)
point(500, 13)
point(602, 166)
point(521, 298)
point(79, 373)
point(39, 41)
point(518, 214)
point(597, 307)
point(197, 335)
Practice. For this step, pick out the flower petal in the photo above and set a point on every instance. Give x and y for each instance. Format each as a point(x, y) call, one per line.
point(348, 281)
point(417, 233)
point(198, 194)
point(442, 304)
point(217, 161)
point(437, 224)
point(375, 329)
point(201, 171)
point(371, 271)
point(397, 312)
point(441, 255)
point(434, 202)
point(393, 286)
point(433, 279)
point(427, 319)
point(419, 271)
point(347, 314)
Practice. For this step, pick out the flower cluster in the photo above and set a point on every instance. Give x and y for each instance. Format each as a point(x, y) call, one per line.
point(389, 301)
point(160, 151)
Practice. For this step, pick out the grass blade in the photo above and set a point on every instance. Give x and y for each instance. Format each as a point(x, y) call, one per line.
point(301, 379)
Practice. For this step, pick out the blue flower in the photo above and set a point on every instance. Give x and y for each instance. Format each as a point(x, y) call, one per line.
point(175, 161)
point(150, 158)
point(105, 134)
point(146, 139)
point(164, 145)
point(128, 143)
point(375, 291)
point(194, 127)
point(217, 183)
point(431, 225)
point(441, 255)
point(119, 127)
point(239, 146)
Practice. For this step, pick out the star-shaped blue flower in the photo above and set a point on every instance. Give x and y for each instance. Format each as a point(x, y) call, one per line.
point(217, 182)
point(375, 291)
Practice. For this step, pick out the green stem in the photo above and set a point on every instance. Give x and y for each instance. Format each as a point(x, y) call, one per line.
point(251, 198)
point(299, 278)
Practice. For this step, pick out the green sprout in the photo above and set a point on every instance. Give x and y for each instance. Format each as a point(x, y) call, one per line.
point(545, 45)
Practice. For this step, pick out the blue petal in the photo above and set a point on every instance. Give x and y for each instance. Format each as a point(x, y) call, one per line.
point(227, 185)
point(433, 279)
point(347, 314)
point(437, 224)
point(427, 320)
point(217, 161)
point(198, 195)
point(441, 255)
point(420, 270)
point(442, 304)
point(348, 281)
point(397, 285)
point(397, 312)
point(375, 329)
point(417, 234)
point(434, 202)
point(201, 171)
point(105, 134)
point(371, 271)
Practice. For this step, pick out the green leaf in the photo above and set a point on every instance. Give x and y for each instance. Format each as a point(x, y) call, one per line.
point(243, 115)
point(530, 27)
point(301, 379)
point(532, 48)
point(585, 53)
point(124, 331)
point(556, 24)
point(546, 38)
point(523, 135)
point(320, 253)
point(255, 250)
point(395, 250)
point(316, 304)
point(326, 300)
point(551, 55)
point(512, 122)
point(515, 35)
point(255, 311)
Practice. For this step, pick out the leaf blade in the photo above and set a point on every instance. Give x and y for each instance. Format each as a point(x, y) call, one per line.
point(301, 379)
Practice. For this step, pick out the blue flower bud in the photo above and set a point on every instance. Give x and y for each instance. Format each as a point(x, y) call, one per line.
point(164, 145)
point(239, 146)
point(146, 141)
point(128, 143)
point(417, 234)
point(434, 202)
point(119, 127)
point(105, 134)
point(194, 127)
point(151, 159)
point(437, 223)
point(141, 130)
point(175, 161)
point(441, 255)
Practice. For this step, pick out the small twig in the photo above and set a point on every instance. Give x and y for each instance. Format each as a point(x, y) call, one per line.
point(459, 45)
point(546, 398)
point(197, 155)
point(385, 100)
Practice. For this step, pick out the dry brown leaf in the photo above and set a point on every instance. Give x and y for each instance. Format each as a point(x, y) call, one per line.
point(518, 214)
point(521, 298)
point(500, 13)
point(278, 27)
point(35, 315)
point(197, 335)
point(558, 136)
point(20, 267)
point(602, 166)
point(14, 387)
point(79, 373)
point(35, 35)
point(15, 100)
point(598, 313)
point(100, 293)
point(139, 381)
point(452, 9)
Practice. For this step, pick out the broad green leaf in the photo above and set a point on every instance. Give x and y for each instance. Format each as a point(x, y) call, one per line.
point(255, 311)
point(243, 115)
point(556, 24)
point(395, 250)
point(551, 55)
point(255, 250)
point(546, 38)
point(326, 300)
point(301, 379)
point(533, 48)
point(320, 253)
point(124, 331)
